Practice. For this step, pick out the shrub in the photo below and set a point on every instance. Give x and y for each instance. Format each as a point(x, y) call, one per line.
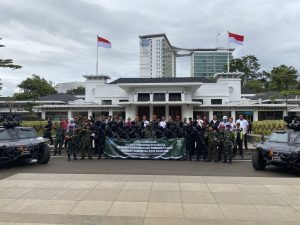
point(266, 127)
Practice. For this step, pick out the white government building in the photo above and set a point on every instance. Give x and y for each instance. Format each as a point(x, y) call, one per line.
point(183, 96)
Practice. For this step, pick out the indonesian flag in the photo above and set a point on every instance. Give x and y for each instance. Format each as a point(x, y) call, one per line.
point(235, 38)
point(102, 42)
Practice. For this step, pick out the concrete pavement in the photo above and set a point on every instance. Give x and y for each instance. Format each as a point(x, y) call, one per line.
point(38, 198)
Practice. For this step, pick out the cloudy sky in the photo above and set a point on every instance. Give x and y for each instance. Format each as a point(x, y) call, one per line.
point(57, 38)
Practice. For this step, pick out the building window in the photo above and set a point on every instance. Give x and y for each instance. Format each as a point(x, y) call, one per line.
point(270, 115)
point(143, 97)
point(106, 102)
point(198, 100)
point(123, 100)
point(174, 97)
point(216, 101)
point(159, 97)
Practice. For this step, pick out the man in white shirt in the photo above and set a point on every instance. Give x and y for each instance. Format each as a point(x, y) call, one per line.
point(163, 123)
point(233, 125)
point(199, 121)
point(245, 126)
point(145, 121)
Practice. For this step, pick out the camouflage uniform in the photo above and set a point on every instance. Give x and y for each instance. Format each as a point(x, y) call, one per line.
point(228, 144)
point(86, 143)
point(221, 144)
point(59, 139)
point(212, 139)
point(148, 132)
point(72, 149)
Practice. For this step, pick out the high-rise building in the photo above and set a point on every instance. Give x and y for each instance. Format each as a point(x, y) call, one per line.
point(157, 58)
point(208, 62)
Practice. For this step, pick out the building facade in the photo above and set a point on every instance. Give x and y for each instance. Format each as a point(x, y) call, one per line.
point(157, 59)
point(207, 63)
point(183, 96)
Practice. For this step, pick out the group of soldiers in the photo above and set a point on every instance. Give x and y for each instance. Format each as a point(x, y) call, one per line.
point(211, 141)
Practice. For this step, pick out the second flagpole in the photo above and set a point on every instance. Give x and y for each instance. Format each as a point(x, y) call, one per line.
point(228, 56)
point(97, 56)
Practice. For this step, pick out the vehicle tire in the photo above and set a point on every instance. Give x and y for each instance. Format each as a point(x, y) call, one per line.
point(258, 162)
point(44, 155)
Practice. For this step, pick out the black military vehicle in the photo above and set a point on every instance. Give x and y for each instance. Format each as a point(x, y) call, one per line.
point(21, 144)
point(281, 149)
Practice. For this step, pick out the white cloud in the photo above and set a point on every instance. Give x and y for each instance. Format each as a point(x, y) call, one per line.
point(57, 38)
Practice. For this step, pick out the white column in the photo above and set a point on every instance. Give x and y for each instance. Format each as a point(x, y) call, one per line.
point(110, 112)
point(151, 112)
point(255, 115)
point(135, 97)
point(90, 113)
point(151, 97)
point(69, 114)
point(183, 96)
point(167, 112)
point(233, 115)
point(285, 113)
point(167, 99)
point(43, 114)
point(187, 111)
point(210, 114)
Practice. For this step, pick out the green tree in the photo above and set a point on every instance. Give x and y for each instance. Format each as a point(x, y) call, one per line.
point(77, 91)
point(248, 65)
point(34, 87)
point(283, 78)
point(8, 63)
point(255, 85)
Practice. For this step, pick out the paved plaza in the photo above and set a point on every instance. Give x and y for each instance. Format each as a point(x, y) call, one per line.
point(40, 198)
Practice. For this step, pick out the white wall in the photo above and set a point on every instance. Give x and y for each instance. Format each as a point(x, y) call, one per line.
point(233, 84)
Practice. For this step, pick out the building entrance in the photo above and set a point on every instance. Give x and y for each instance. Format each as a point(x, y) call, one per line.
point(175, 111)
point(159, 111)
point(143, 111)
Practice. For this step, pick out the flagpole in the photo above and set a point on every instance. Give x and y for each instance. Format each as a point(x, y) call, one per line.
point(97, 56)
point(217, 39)
point(228, 56)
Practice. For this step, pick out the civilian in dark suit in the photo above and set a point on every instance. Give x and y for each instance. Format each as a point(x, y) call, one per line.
point(214, 122)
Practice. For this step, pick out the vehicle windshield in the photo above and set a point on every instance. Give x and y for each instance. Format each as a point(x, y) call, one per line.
point(279, 137)
point(14, 134)
point(27, 133)
point(4, 135)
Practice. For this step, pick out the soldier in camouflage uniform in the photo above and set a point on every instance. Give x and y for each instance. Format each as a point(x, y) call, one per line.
point(212, 140)
point(221, 143)
point(148, 132)
point(59, 138)
point(72, 148)
point(228, 144)
point(86, 142)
